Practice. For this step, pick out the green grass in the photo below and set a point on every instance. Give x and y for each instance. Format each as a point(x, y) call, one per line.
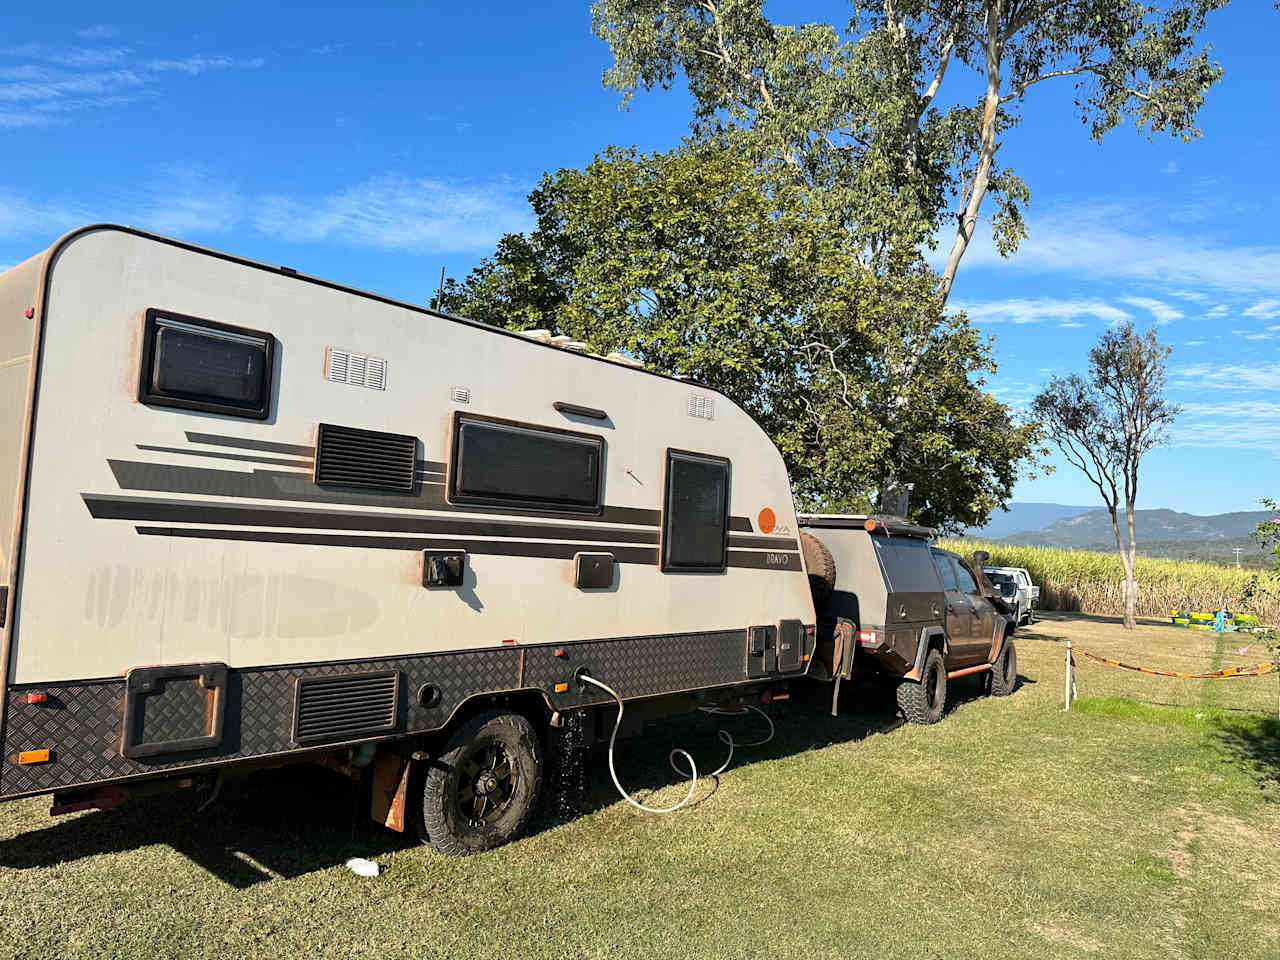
point(1090, 582)
point(1123, 828)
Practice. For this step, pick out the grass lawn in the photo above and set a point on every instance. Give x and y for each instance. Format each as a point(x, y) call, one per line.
point(1144, 823)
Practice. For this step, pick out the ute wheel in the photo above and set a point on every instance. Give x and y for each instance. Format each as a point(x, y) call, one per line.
point(1004, 672)
point(923, 701)
point(821, 566)
point(482, 790)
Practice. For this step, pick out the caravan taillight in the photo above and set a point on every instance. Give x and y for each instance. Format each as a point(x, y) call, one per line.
point(29, 313)
point(870, 637)
point(37, 696)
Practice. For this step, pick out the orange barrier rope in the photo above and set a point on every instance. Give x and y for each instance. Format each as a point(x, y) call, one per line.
point(1255, 670)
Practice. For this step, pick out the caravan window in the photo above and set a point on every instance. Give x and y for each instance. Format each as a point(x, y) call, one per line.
point(695, 519)
point(202, 365)
point(503, 464)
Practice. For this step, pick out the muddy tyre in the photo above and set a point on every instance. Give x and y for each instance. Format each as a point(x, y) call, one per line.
point(821, 566)
point(1004, 672)
point(483, 789)
point(923, 701)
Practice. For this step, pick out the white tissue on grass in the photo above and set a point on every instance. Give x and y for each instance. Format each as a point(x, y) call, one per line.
point(362, 867)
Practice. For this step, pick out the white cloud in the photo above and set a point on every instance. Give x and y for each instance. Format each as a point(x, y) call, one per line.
point(1264, 309)
point(1215, 376)
point(1157, 308)
point(1116, 242)
point(1233, 424)
point(400, 213)
point(56, 82)
point(1219, 311)
point(100, 31)
point(1022, 310)
point(388, 213)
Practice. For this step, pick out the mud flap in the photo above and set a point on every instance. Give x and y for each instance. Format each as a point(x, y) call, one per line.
point(390, 792)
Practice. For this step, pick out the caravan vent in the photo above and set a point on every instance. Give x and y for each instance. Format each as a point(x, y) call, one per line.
point(701, 406)
point(460, 394)
point(347, 457)
point(357, 369)
point(332, 709)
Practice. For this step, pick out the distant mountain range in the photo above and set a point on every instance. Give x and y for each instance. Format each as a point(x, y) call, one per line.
point(1161, 533)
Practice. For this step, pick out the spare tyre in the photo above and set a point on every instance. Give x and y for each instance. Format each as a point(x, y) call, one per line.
point(821, 566)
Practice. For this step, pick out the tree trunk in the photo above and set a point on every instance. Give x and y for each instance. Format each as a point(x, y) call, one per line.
point(986, 151)
point(1126, 561)
point(1131, 591)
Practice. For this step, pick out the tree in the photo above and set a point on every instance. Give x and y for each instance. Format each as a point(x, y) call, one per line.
point(856, 113)
point(1106, 423)
point(1264, 590)
point(705, 265)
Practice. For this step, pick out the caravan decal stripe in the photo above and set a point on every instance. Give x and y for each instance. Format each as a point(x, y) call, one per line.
point(213, 454)
point(244, 444)
point(562, 550)
point(506, 548)
point(204, 512)
point(284, 485)
point(105, 507)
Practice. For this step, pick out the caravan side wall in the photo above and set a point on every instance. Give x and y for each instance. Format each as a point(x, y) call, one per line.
point(160, 536)
point(18, 288)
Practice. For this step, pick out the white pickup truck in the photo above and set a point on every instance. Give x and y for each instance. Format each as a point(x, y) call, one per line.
point(1025, 593)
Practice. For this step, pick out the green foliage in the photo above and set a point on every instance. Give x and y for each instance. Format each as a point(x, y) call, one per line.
point(1263, 592)
point(706, 265)
point(856, 110)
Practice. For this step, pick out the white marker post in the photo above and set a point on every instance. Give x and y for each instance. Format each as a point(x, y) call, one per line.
point(1069, 683)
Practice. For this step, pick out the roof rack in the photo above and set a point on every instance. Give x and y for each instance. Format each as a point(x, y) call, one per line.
point(872, 523)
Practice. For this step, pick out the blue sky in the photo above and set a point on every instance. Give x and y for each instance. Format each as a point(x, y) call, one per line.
point(373, 145)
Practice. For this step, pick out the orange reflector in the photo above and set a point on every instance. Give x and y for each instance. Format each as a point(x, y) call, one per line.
point(36, 696)
point(33, 756)
point(561, 687)
point(869, 525)
point(805, 658)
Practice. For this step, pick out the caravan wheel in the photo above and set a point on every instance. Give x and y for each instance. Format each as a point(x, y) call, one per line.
point(482, 790)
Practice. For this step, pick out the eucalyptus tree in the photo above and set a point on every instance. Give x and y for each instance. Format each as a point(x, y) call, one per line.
point(897, 117)
point(1105, 424)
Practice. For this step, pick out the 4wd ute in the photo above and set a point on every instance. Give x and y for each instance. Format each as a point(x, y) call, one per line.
point(918, 615)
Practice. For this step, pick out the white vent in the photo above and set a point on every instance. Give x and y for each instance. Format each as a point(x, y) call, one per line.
point(701, 406)
point(460, 394)
point(357, 369)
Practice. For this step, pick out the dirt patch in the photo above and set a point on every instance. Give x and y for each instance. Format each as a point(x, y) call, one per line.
point(1061, 934)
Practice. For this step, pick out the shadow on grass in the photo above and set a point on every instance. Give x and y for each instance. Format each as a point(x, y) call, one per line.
point(1249, 739)
point(295, 820)
point(285, 822)
point(1253, 741)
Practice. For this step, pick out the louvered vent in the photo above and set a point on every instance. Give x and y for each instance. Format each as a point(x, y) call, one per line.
point(460, 394)
point(701, 406)
point(333, 709)
point(357, 369)
point(347, 457)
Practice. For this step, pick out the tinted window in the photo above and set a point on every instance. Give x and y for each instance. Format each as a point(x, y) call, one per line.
point(203, 365)
point(525, 467)
point(906, 565)
point(695, 520)
point(946, 572)
point(965, 579)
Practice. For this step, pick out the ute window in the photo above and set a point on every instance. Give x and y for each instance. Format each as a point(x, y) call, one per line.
point(906, 564)
point(695, 518)
point(204, 365)
point(967, 583)
point(519, 466)
point(946, 572)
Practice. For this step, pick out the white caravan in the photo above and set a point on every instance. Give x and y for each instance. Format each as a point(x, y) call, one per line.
point(258, 516)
